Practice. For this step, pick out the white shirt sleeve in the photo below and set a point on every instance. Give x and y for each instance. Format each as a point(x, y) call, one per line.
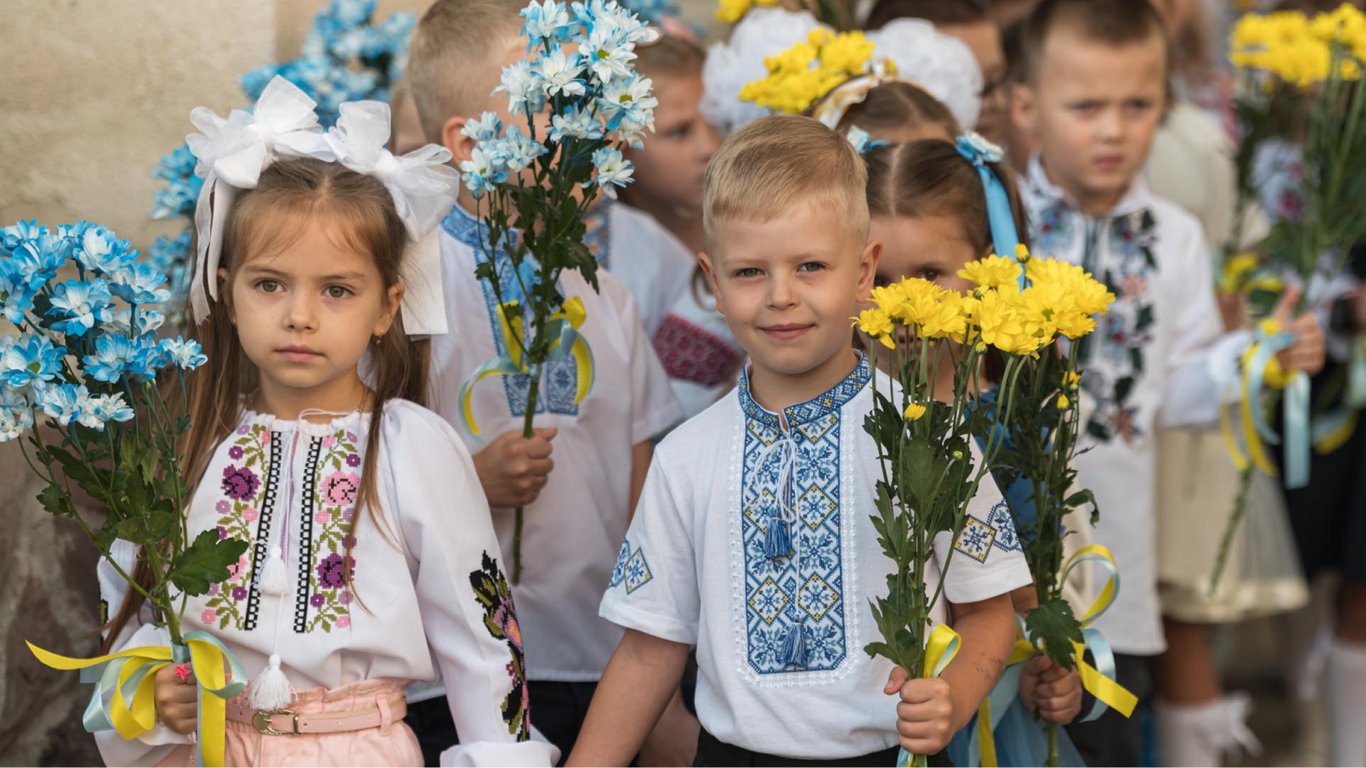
point(464, 598)
point(654, 407)
point(653, 588)
point(987, 560)
point(155, 745)
point(1201, 359)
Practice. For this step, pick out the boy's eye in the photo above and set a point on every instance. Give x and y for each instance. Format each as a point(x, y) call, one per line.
point(268, 286)
point(811, 266)
point(1084, 106)
point(748, 272)
point(930, 274)
point(678, 132)
point(1140, 105)
point(881, 281)
point(337, 292)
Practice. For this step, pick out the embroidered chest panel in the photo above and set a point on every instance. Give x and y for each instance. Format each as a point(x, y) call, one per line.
point(560, 381)
point(1118, 252)
point(691, 353)
point(271, 477)
point(807, 591)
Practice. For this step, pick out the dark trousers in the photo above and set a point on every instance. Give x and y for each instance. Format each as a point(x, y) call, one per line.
point(713, 752)
point(1114, 739)
point(557, 710)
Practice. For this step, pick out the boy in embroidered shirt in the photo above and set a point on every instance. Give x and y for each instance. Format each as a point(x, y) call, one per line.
point(575, 515)
point(1093, 92)
point(786, 223)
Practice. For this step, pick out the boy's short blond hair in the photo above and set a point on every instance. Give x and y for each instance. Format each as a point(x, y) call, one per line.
point(456, 58)
point(779, 162)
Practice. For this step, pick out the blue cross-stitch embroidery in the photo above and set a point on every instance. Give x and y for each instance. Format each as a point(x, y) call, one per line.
point(637, 572)
point(1000, 520)
point(619, 571)
point(560, 378)
point(975, 539)
point(778, 596)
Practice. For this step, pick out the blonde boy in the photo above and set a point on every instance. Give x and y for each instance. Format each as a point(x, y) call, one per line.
point(788, 256)
point(576, 514)
point(1094, 91)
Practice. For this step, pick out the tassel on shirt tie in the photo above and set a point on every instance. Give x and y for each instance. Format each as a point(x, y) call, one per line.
point(271, 691)
point(273, 579)
point(794, 646)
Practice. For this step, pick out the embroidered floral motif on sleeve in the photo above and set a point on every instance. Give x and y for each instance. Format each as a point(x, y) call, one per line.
point(1003, 524)
point(500, 619)
point(975, 539)
point(249, 484)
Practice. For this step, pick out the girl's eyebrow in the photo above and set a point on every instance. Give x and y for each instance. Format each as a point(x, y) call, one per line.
point(344, 276)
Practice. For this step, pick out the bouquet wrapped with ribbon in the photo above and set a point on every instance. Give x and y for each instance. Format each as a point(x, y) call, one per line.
point(89, 387)
point(532, 189)
point(1303, 85)
point(931, 466)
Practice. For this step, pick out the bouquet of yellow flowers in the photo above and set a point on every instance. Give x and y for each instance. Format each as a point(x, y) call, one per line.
point(808, 70)
point(836, 13)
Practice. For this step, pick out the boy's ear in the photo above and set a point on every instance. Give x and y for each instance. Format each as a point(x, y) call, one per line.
point(1024, 109)
point(867, 268)
point(460, 145)
point(704, 261)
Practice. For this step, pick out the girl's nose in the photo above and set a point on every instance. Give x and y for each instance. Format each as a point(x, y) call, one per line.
point(303, 315)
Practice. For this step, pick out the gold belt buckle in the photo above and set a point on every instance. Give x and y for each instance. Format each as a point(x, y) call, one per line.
point(261, 722)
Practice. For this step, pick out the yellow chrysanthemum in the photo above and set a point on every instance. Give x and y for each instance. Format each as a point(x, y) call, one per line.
point(1071, 380)
point(876, 324)
point(998, 318)
point(731, 11)
point(991, 272)
point(913, 411)
point(1298, 49)
point(1063, 402)
point(800, 75)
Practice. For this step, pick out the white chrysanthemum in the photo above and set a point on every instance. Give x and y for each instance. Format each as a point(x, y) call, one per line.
point(522, 84)
point(559, 73)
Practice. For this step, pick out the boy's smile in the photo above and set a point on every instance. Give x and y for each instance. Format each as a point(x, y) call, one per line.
point(788, 288)
point(1093, 112)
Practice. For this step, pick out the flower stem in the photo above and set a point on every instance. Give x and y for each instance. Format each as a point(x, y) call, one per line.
point(1234, 519)
point(1052, 730)
point(528, 430)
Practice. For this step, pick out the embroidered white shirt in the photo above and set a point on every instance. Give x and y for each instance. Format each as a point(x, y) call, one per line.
point(653, 264)
point(1159, 357)
point(572, 530)
point(693, 570)
point(427, 573)
point(698, 351)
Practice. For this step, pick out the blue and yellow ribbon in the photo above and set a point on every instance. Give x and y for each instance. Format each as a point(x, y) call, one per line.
point(1098, 680)
point(1332, 430)
point(940, 649)
point(1260, 369)
point(125, 688)
point(563, 327)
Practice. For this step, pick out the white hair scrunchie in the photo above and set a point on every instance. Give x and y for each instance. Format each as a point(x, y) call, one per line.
point(233, 152)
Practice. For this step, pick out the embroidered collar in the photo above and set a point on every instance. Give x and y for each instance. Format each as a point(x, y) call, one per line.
point(355, 421)
point(464, 227)
point(802, 413)
point(1135, 199)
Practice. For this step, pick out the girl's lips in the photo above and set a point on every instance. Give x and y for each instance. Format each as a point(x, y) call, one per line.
point(298, 354)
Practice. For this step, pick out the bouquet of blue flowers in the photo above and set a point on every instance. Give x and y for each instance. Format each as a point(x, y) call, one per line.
point(578, 71)
point(79, 378)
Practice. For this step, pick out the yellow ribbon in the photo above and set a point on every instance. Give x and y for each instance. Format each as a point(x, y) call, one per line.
point(128, 680)
point(940, 649)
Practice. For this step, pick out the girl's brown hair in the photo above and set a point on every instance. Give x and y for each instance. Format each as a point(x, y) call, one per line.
point(929, 178)
point(894, 107)
point(291, 193)
point(670, 56)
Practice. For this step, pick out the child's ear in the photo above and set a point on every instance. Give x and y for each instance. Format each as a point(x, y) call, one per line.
point(460, 145)
point(393, 299)
point(225, 294)
point(1024, 109)
point(867, 268)
point(704, 261)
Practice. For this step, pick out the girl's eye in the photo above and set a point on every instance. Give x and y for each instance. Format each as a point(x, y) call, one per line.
point(679, 132)
point(748, 272)
point(930, 274)
point(268, 286)
point(337, 292)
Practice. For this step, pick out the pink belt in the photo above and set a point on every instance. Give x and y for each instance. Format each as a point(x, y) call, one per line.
point(284, 722)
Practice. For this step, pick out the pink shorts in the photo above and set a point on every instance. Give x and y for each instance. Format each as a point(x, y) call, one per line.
point(392, 743)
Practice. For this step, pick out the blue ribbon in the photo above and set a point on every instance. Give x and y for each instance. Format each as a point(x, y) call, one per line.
point(1294, 408)
point(980, 153)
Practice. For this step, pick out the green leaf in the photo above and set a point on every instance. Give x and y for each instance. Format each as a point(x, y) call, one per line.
point(1054, 624)
point(205, 562)
point(56, 501)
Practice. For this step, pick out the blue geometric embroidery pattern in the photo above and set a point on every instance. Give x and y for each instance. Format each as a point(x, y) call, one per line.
point(778, 596)
point(560, 378)
point(637, 572)
point(619, 571)
point(975, 539)
point(1004, 525)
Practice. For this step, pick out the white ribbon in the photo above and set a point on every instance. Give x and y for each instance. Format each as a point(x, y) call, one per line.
point(233, 152)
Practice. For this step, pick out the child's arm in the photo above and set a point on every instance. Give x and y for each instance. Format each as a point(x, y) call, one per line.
point(639, 681)
point(513, 469)
point(641, 453)
point(933, 709)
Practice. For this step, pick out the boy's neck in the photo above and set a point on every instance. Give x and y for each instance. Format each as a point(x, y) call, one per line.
point(1094, 206)
point(775, 391)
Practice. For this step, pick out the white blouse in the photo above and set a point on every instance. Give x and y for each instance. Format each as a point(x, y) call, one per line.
point(426, 595)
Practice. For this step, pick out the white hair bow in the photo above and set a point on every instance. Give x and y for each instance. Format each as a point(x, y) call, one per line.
point(233, 152)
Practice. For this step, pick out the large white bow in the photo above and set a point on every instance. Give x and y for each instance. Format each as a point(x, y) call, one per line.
point(233, 152)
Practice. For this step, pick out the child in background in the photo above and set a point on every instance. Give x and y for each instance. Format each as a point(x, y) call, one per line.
point(405, 128)
point(1094, 89)
point(788, 258)
point(968, 21)
point(889, 109)
point(694, 344)
point(372, 558)
point(575, 515)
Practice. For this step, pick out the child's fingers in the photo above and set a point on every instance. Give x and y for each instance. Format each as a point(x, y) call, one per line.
point(1286, 306)
point(538, 448)
point(924, 690)
point(895, 680)
point(547, 433)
